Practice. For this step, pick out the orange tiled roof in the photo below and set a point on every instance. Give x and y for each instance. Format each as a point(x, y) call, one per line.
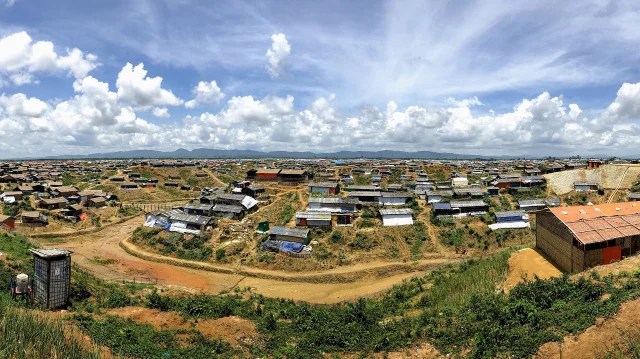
point(599, 223)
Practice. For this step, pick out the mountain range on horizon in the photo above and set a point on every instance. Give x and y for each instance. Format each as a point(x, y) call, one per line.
point(182, 153)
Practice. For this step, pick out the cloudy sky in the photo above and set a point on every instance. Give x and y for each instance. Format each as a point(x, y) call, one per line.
point(486, 77)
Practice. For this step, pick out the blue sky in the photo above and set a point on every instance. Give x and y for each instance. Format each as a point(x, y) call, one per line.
point(331, 75)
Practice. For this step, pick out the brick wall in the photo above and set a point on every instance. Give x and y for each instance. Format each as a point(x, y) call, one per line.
point(555, 239)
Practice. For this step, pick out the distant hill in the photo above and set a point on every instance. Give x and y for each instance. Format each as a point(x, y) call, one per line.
point(214, 153)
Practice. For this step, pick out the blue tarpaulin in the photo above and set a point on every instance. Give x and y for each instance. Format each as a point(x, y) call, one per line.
point(291, 247)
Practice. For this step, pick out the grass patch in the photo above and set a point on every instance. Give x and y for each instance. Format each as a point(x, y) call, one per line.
point(25, 334)
point(629, 348)
point(130, 339)
point(454, 286)
point(98, 260)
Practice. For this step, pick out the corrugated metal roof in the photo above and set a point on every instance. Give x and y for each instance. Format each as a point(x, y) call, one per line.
point(291, 232)
point(510, 214)
point(226, 208)
point(590, 237)
point(333, 200)
point(395, 211)
point(50, 252)
point(598, 224)
point(362, 188)
point(314, 215)
point(634, 195)
point(364, 194)
point(629, 230)
point(323, 184)
point(231, 197)
point(579, 227)
point(269, 171)
point(580, 183)
point(616, 221)
point(609, 233)
point(200, 220)
point(571, 214)
point(531, 202)
point(442, 206)
point(440, 193)
point(293, 172)
point(466, 204)
point(396, 194)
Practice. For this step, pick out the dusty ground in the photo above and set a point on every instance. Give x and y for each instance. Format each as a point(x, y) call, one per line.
point(528, 263)
point(231, 329)
point(594, 341)
point(105, 245)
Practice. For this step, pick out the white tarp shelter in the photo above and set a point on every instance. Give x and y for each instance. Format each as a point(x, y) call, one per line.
point(396, 217)
point(509, 225)
point(181, 227)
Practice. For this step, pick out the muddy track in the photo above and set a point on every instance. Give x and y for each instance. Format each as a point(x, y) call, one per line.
point(333, 286)
point(339, 275)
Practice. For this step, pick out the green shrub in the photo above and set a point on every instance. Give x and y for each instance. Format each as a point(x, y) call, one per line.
point(336, 237)
point(220, 253)
point(362, 241)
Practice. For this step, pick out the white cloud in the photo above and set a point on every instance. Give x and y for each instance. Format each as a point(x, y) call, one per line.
point(471, 101)
point(9, 3)
point(19, 105)
point(20, 60)
point(96, 119)
point(161, 112)
point(277, 55)
point(135, 88)
point(205, 93)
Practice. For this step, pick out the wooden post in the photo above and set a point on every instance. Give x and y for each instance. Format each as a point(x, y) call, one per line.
point(560, 344)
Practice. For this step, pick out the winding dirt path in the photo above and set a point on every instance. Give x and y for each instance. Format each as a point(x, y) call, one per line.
point(340, 284)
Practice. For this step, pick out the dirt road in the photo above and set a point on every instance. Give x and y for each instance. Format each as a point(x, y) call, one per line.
point(104, 245)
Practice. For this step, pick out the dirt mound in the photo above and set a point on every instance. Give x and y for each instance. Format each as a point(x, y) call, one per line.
point(230, 329)
point(607, 176)
point(598, 338)
point(528, 263)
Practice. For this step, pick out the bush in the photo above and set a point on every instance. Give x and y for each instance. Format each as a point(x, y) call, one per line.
point(336, 237)
point(193, 243)
point(362, 241)
point(220, 253)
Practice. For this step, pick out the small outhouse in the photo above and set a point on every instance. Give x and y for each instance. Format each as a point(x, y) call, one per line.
point(51, 276)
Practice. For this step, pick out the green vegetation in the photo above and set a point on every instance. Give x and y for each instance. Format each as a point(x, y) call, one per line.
point(456, 285)
point(362, 242)
point(459, 309)
point(628, 349)
point(26, 334)
point(361, 180)
point(128, 211)
point(173, 243)
point(68, 180)
point(416, 237)
point(16, 256)
point(336, 237)
point(288, 211)
point(415, 206)
point(99, 260)
point(130, 339)
point(17, 208)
